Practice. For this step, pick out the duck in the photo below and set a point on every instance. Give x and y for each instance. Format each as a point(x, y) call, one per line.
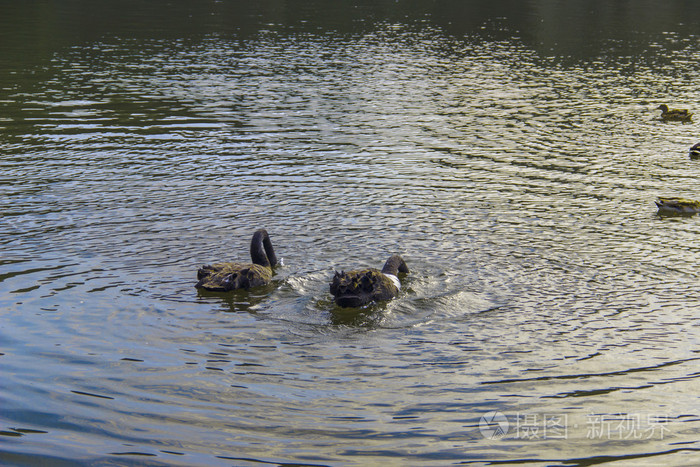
point(361, 287)
point(695, 151)
point(677, 206)
point(674, 115)
point(222, 277)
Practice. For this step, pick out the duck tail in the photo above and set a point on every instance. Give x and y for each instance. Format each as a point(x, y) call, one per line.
point(261, 250)
point(394, 265)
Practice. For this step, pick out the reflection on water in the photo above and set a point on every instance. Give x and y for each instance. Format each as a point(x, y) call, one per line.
point(510, 152)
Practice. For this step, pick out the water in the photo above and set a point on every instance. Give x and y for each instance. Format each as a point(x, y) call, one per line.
point(510, 151)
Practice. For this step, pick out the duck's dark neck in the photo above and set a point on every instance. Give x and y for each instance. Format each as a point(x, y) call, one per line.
point(395, 265)
point(261, 250)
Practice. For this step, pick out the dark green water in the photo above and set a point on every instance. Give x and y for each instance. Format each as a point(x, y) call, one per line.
point(510, 151)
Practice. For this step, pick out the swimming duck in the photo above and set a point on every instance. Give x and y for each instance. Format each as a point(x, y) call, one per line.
point(695, 151)
point(677, 206)
point(674, 115)
point(361, 287)
point(222, 277)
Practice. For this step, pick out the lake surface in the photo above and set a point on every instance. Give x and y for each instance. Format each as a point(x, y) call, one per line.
point(511, 152)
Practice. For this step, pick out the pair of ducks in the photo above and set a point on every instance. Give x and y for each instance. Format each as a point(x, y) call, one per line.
point(349, 289)
point(678, 205)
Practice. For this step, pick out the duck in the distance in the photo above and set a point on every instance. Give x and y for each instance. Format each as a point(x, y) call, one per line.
point(361, 287)
point(674, 115)
point(694, 151)
point(677, 206)
point(222, 277)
